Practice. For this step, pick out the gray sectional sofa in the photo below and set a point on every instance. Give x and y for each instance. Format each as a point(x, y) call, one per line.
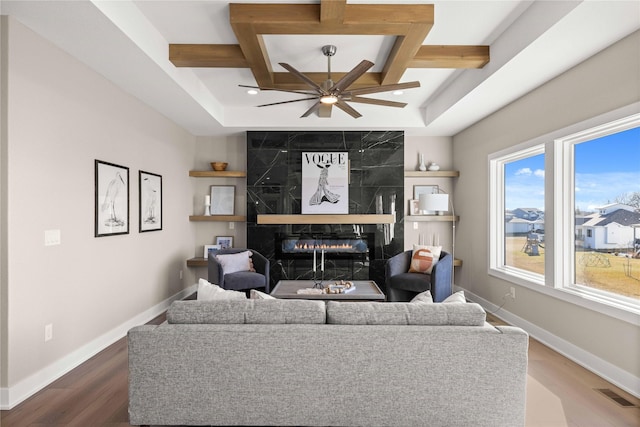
point(297, 363)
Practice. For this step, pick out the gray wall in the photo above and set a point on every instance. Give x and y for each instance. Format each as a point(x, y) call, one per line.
point(60, 117)
point(603, 83)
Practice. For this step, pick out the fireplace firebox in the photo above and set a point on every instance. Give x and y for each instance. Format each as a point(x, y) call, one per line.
point(335, 246)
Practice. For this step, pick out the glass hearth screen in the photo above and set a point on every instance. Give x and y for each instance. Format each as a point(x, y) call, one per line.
point(346, 256)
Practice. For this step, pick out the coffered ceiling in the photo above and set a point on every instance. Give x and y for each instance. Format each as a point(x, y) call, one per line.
point(187, 58)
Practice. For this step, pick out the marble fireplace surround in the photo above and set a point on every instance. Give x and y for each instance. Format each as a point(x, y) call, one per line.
point(376, 192)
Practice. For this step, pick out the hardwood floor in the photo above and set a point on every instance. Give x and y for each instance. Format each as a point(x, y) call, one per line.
point(559, 393)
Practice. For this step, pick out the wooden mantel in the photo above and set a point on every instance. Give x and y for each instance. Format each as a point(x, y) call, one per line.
point(327, 219)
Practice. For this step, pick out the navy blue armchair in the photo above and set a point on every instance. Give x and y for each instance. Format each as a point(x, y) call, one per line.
point(240, 280)
point(403, 286)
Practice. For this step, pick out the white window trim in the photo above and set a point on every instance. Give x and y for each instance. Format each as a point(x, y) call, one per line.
point(618, 307)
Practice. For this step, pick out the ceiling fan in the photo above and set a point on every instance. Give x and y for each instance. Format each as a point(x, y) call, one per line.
point(329, 93)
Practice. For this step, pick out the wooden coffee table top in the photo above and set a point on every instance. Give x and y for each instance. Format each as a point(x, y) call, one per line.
point(366, 290)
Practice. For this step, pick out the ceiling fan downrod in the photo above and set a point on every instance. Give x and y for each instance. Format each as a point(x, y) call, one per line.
point(328, 51)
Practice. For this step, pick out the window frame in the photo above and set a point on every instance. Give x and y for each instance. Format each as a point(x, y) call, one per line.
point(497, 162)
point(559, 215)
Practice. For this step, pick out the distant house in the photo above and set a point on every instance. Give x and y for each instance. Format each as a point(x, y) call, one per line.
point(529, 214)
point(517, 225)
point(609, 228)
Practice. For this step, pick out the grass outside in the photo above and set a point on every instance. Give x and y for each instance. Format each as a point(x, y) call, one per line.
point(597, 270)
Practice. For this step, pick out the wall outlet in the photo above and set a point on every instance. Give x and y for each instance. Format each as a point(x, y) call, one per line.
point(512, 291)
point(52, 237)
point(180, 274)
point(232, 225)
point(48, 332)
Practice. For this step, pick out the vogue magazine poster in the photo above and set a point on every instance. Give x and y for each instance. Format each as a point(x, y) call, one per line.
point(325, 183)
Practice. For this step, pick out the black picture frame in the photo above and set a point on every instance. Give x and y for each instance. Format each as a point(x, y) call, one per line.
point(150, 201)
point(111, 199)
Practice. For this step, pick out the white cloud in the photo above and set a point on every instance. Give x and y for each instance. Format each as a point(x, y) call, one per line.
point(524, 171)
point(539, 173)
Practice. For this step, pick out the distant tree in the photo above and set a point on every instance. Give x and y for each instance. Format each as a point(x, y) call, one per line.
point(630, 199)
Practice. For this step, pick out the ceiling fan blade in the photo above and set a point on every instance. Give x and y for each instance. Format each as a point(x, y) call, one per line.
point(383, 88)
point(377, 102)
point(311, 110)
point(353, 75)
point(302, 77)
point(347, 109)
point(279, 90)
point(287, 102)
point(325, 110)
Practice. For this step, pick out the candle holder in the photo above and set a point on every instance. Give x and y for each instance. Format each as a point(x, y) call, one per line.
point(317, 284)
point(207, 209)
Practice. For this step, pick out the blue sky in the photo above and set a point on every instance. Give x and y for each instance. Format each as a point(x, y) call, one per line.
point(606, 167)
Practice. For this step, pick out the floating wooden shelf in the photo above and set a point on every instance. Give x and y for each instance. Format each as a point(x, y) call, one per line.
point(227, 218)
point(431, 174)
point(430, 218)
point(327, 219)
point(197, 262)
point(218, 174)
point(456, 262)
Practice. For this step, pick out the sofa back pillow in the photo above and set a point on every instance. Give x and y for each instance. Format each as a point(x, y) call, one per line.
point(398, 313)
point(250, 311)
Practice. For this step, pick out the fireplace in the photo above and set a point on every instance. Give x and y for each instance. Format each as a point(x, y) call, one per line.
point(335, 246)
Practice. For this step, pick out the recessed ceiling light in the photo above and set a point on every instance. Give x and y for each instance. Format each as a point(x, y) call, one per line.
point(397, 92)
point(252, 92)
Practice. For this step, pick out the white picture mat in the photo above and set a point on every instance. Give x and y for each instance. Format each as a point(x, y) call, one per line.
point(223, 199)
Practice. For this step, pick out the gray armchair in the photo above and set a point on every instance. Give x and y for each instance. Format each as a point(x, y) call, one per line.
point(241, 280)
point(403, 286)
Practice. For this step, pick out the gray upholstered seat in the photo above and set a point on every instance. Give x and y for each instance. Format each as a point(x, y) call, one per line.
point(240, 280)
point(402, 285)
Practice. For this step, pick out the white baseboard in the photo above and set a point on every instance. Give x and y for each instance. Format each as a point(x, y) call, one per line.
point(619, 377)
point(10, 397)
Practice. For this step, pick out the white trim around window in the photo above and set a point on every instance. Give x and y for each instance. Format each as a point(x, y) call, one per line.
point(559, 214)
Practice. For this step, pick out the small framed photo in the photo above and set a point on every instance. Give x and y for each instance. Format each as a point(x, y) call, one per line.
point(414, 207)
point(111, 199)
point(223, 199)
point(150, 206)
point(424, 189)
point(210, 248)
point(225, 242)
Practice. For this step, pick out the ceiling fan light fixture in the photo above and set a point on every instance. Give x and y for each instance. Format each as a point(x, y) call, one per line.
point(329, 99)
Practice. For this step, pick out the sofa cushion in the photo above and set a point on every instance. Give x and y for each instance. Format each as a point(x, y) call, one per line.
point(457, 298)
point(252, 311)
point(402, 313)
point(209, 292)
point(255, 294)
point(423, 297)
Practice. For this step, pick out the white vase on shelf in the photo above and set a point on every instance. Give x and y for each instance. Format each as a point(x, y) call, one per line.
point(422, 166)
point(434, 167)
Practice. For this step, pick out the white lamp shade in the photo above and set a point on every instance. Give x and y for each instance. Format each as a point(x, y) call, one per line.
point(434, 202)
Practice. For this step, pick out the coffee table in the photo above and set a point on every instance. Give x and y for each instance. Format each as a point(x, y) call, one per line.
point(366, 290)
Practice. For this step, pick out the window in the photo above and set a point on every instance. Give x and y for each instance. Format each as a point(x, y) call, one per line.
point(524, 206)
point(518, 221)
point(565, 214)
point(603, 167)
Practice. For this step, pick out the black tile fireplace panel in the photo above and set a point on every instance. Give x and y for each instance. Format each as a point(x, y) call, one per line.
point(274, 165)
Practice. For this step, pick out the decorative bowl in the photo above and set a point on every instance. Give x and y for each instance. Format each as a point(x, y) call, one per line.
point(219, 166)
